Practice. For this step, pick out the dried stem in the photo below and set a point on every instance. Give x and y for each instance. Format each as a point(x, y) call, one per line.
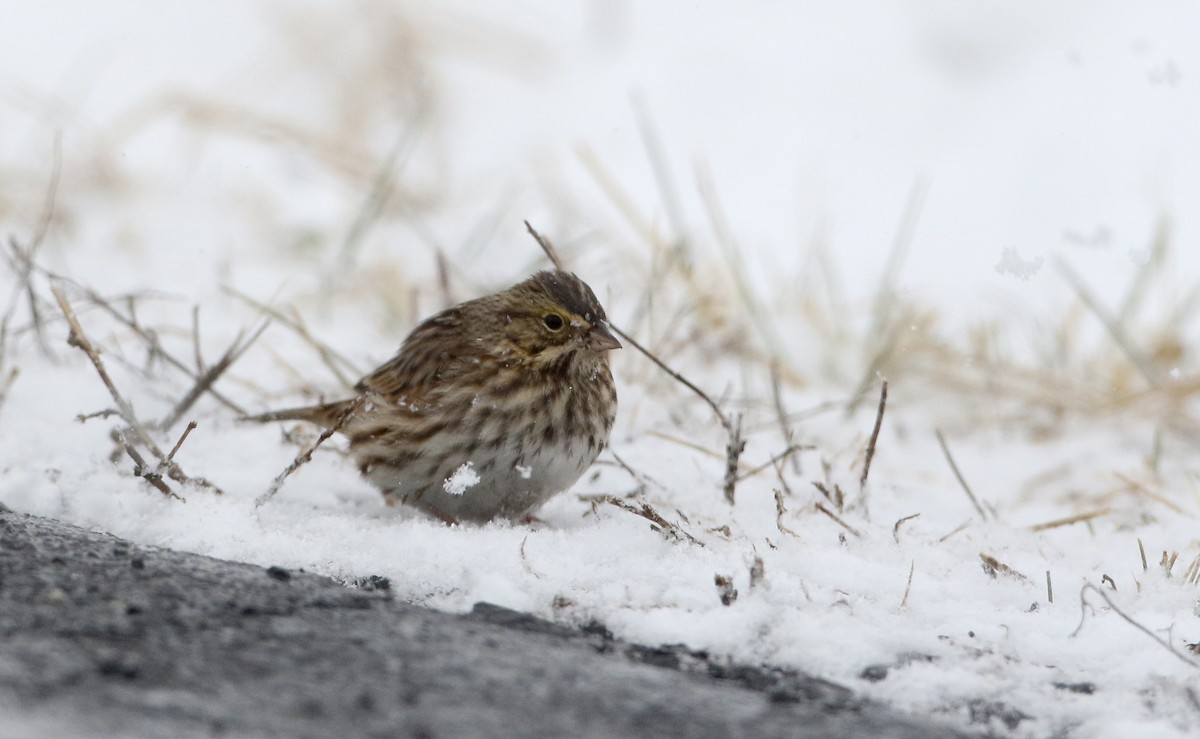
point(1104, 596)
point(182, 438)
point(957, 474)
point(1070, 520)
point(206, 379)
point(775, 461)
point(141, 469)
point(733, 450)
point(896, 527)
point(862, 481)
point(79, 339)
point(779, 512)
point(912, 567)
point(305, 456)
point(671, 531)
point(781, 414)
point(837, 520)
point(335, 362)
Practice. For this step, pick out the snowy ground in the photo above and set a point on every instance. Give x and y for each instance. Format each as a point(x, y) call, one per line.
point(318, 160)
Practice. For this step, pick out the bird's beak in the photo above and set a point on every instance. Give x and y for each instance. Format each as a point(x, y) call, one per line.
point(601, 338)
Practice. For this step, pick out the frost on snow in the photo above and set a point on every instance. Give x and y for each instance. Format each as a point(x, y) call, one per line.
point(464, 478)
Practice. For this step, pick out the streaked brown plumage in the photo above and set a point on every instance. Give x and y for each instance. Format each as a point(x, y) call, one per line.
point(490, 407)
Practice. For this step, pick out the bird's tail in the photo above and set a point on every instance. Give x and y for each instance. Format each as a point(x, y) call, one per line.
point(327, 414)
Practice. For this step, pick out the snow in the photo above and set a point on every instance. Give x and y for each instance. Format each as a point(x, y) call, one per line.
point(207, 156)
point(462, 479)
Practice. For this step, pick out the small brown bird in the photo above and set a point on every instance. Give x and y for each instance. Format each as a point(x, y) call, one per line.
point(489, 408)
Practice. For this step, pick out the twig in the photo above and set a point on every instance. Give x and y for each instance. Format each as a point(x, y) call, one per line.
point(205, 381)
point(956, 529)
point(669, 530)
point(774, 461)
point(152, 341)
point(542, 241)
point(677, 377)
point(1049, 588)
point(779, 511)
point(1070, 520)
point(141, 469)
point(7, 383)
point(912, 567)
point(641, 477)
point(782, 479)
point(1104, 596)
point(182, 438)
point(837, 520)
point(79, 339)
point(1142, 551)
point(896, 527)
point(862, 481)
point(329, 356)
point(961, 481)
point(197, 355)
point(736, 444)
point(305, 456)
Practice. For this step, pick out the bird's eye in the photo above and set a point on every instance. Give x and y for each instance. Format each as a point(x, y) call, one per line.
point(553, 321)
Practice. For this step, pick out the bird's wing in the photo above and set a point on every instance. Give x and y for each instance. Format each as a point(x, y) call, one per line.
point(437, 355)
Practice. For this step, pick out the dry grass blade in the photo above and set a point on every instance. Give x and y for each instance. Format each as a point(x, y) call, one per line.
point(733, 450)
point(994, 567)
point(775, 461)
point(781, 414)
point(862, 481)
point(899, 523)
point(958, 474)
point(673, 532)
point(1090, 515)
point(1049, 588)
point(912, 567)
point(837, 520)
point(1128, 619)
point(662, 177)
point(382, 188)
point(335, 362)
point(1111, 324)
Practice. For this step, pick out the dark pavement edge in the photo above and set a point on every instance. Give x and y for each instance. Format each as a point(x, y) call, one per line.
point(101, 637)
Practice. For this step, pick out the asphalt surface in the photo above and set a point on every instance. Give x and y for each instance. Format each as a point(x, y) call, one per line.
point(101, 637)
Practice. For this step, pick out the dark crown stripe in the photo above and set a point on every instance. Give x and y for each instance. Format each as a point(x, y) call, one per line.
point(571, 293)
